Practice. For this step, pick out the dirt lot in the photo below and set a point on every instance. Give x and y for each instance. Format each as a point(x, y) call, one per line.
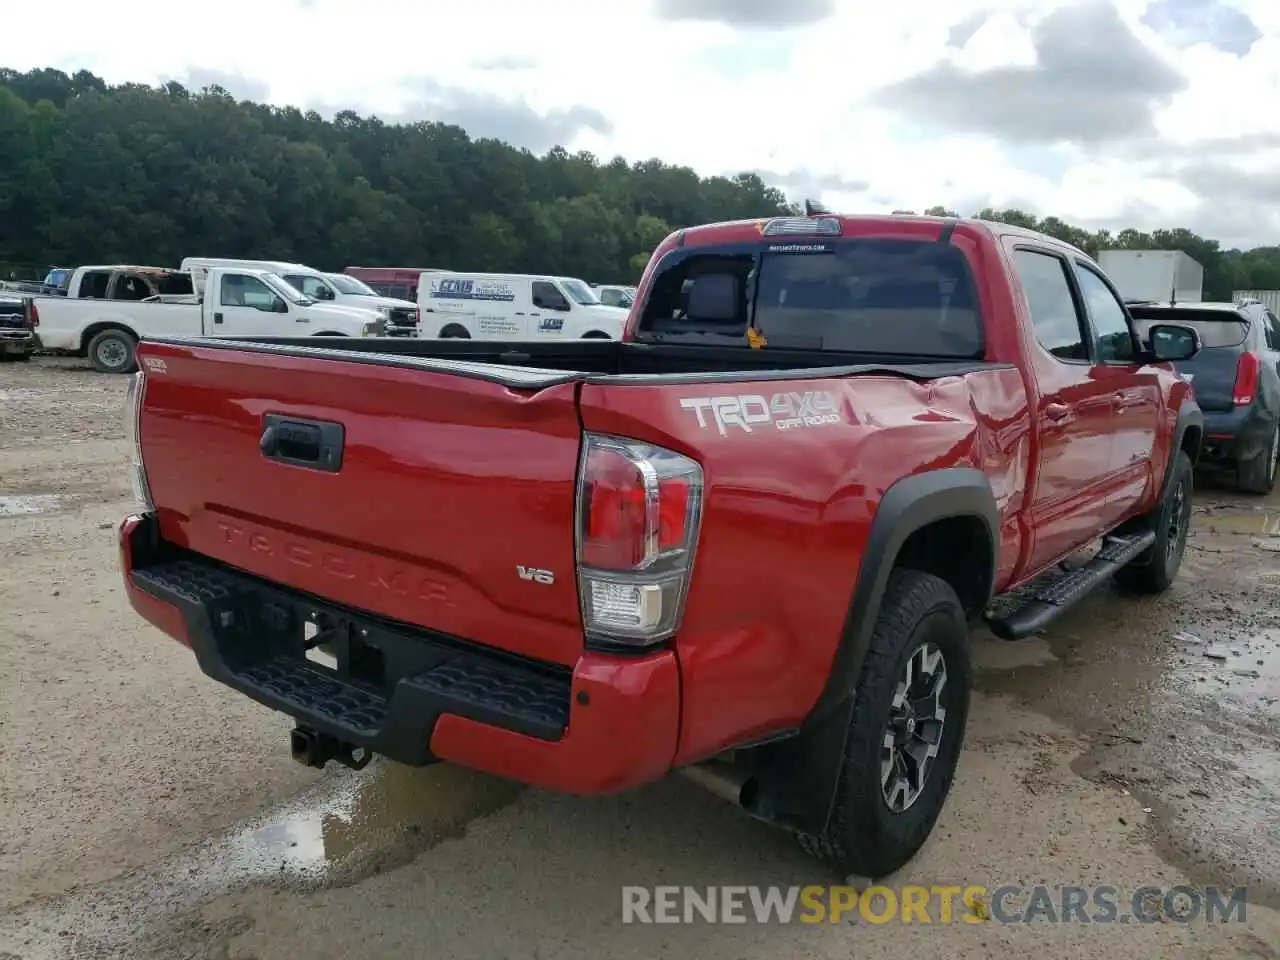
point(149, 813)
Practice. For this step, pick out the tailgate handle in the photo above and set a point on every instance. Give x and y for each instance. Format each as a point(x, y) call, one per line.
point(313, 444)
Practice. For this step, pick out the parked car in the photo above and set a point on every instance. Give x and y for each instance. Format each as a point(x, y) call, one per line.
point(743, 542)
point(1236, 376)
point(236, 303)
point(17, 338)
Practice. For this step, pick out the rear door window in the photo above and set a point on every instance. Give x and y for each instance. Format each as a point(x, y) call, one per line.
point(1054, 318)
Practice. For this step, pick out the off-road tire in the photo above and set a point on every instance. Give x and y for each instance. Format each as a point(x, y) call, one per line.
point(113, 351)
point(864, 837)
point(1154, 570)
point(1259, 474)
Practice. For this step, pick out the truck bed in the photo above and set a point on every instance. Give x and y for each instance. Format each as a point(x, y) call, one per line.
point(536, 364)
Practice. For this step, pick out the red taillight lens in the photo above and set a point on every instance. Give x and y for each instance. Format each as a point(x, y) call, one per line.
point(616, 520)
point(35, 316)
point(639, 507)
point(1247, 370)
point(673, 513)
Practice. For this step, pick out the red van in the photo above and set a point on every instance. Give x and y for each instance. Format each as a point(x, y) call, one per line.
point(399, 282)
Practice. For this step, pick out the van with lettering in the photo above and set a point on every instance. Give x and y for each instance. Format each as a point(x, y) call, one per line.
point(745, 542)
point(513, 306)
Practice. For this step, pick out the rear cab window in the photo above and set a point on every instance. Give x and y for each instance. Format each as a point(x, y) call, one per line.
point(870, 295)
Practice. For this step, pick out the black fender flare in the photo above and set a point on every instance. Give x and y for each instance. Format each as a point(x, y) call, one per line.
point(798, 776)
point(1190, 416)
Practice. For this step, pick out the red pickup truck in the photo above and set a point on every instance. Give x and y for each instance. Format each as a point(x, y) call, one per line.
point(746, 542)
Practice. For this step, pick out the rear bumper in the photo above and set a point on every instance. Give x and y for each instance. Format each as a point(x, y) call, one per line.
point(17, 342)
point(1239, 434)
point(610, 724)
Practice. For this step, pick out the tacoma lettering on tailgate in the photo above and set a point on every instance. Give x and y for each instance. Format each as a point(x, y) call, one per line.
point(399, 581)
point(786, 411)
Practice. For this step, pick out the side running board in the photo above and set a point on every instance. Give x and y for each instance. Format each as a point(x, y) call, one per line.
point(1037, 603)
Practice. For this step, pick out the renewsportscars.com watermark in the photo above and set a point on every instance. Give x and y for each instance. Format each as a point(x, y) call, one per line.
point(932, 904)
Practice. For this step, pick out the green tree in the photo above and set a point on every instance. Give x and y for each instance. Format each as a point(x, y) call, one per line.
point(94, 172)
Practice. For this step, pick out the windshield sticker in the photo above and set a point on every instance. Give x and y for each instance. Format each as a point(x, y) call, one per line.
point(456, 289)
point(749, 412)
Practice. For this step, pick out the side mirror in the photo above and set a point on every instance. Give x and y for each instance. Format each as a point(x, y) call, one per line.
point(324, 293)
point(279, 306)
point(1172, 342)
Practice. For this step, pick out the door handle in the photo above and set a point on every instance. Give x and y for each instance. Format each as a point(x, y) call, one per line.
point(313, 444)
point(1119, 401)
point(302, 320)
point(1057, 411)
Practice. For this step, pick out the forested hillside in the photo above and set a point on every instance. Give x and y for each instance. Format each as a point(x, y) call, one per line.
point(91, 172)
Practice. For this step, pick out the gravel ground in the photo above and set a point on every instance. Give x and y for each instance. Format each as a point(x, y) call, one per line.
point(150, 813)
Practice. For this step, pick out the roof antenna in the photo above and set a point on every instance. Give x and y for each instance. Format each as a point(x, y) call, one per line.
point(814, 209)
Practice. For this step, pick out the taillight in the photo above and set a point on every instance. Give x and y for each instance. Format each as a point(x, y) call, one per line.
point(639, 509)
point(35, 316)
point(1247, 370)
point(133, 434)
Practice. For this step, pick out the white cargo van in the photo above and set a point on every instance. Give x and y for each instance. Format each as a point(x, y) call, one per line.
point(514, 306)
point(399, 316)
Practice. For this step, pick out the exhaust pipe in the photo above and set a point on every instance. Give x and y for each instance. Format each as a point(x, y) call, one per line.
point(724, 780)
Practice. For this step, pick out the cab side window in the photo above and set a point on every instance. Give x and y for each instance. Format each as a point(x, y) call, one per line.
point(312, 287)
point(241, 291)
point(1043, 277)
point(548, 297)
point(1110, 321)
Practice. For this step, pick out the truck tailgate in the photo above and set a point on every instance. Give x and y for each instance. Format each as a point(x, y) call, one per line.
point(455, 482)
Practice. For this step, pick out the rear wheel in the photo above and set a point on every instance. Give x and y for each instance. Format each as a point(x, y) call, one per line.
point(910, 710)
point(1259, 474)
point(112, 351)
point(596, 335)
point(455, 332)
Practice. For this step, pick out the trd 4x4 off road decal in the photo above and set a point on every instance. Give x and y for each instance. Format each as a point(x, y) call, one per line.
point(784, 411)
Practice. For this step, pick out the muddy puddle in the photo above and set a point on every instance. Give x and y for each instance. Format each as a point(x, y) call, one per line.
point(30, 505)
point(1179, 695)
point(351, 826)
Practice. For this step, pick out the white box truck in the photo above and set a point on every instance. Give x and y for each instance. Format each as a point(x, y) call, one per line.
point(1154, 274)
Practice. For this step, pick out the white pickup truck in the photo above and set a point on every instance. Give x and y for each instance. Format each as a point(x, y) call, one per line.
point(236, 303)
point(401, 316)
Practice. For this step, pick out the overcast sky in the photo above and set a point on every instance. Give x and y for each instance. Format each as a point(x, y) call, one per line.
point(1103, 112)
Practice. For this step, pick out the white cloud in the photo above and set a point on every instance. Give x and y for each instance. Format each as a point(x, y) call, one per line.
point(712, 96)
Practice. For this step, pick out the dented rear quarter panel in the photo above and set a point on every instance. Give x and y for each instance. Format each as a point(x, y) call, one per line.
point(787, 516)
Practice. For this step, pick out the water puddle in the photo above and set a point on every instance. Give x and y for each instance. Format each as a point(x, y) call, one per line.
point(1248, 670)
point(351, 826)
point(30, 505)
point(1262, 526)
point(377, 816)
